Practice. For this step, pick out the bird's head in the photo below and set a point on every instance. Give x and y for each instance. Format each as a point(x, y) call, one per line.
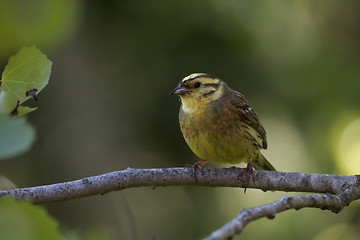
point(199, 89)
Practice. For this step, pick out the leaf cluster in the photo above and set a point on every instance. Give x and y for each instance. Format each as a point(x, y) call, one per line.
point(25, 75)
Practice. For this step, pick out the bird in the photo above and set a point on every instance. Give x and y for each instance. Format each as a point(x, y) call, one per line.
point(218, 124)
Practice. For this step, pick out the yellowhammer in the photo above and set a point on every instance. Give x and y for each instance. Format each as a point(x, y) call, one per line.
point(218, 124)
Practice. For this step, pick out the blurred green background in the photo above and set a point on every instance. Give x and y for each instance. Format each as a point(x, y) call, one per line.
point(107, 106)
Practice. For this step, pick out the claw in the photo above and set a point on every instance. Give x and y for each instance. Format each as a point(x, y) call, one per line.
point(246, 174)
point(196, 166)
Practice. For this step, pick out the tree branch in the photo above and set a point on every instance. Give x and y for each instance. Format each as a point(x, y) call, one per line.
point(236, 226)
point(210, 177)
point(335, 203)
point(340, 190)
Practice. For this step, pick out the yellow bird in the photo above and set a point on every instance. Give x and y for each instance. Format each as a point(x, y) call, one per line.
point(218, 124)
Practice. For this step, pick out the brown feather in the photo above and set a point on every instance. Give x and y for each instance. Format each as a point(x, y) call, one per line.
point(246, 113)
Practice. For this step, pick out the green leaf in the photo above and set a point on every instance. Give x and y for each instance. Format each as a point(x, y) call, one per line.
point(22, 110)
point(16, 136)
point(8, 102)
point(22, 220)
point(28, 69)
point(46, 23)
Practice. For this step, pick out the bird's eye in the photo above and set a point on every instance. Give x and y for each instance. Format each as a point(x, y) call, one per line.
point(197, 84)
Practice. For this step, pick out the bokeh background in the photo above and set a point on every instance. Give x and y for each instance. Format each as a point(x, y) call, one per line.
point(107, 106)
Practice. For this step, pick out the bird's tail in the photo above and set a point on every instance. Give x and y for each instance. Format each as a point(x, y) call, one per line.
point(261, 163)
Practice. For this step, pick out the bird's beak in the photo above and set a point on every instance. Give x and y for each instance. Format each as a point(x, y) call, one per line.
point(179, 90)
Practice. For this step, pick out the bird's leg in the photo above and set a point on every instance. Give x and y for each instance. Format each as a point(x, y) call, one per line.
point(246, 174)
point(196, 166)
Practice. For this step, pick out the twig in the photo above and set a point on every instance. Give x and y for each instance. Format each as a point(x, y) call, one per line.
point(334, 203)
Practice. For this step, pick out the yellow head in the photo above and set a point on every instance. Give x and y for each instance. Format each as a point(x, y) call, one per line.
point(199, 89)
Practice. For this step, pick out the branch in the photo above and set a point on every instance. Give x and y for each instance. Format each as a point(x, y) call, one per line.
point(340, 190)
point(335, 203)
point(235, 226)
point(210, 177)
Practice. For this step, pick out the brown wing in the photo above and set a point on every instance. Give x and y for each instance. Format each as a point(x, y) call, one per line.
point(248, 115)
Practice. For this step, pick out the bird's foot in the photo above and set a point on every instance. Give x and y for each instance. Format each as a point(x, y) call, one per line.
point(246, 174)
point(196, 166)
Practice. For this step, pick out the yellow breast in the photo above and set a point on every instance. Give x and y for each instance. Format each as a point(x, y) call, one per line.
point(215, 133)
